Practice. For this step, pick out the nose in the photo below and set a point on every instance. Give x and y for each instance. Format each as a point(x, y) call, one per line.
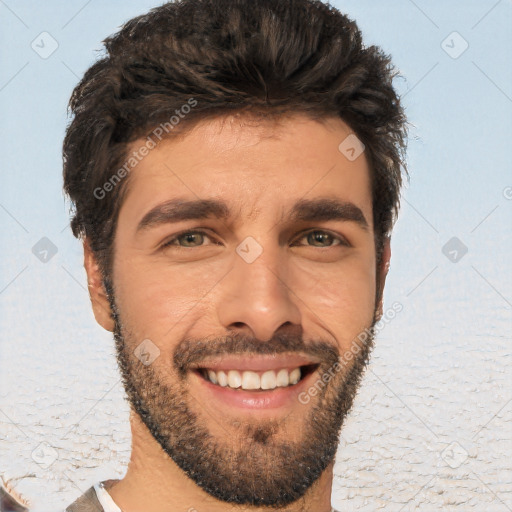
point(256, 299)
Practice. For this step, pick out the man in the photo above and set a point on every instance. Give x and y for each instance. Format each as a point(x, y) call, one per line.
point(235, 169)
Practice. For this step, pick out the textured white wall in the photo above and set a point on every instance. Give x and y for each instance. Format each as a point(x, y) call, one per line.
point(431, 428)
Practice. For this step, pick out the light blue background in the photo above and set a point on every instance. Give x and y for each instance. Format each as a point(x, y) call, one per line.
point(439, 383)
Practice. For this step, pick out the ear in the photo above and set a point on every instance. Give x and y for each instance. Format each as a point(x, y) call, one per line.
point(383, 272)
point(97, 293)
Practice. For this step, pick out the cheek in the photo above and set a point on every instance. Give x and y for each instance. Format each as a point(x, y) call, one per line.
point(164, 302)
point(341, 297)
point(160, 303)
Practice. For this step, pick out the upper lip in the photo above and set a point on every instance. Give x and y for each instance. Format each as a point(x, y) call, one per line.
point(258, 363)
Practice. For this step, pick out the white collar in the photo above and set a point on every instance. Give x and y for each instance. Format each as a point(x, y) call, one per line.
point(105, 499)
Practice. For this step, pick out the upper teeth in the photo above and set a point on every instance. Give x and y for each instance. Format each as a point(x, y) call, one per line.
point(252, 380)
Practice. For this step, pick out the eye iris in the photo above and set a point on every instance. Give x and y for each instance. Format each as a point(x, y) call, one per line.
point(189, 237)
point(318, 236)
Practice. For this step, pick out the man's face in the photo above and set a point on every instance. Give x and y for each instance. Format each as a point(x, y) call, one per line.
point(278, 287)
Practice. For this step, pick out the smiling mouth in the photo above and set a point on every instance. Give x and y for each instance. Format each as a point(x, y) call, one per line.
point(248, 380)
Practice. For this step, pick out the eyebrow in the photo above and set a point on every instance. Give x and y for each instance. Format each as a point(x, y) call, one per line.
point(306, 210)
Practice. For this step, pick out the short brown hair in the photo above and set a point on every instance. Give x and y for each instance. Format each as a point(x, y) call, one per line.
point(266, 57)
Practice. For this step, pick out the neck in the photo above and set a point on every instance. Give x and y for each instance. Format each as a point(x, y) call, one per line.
point(152, 473)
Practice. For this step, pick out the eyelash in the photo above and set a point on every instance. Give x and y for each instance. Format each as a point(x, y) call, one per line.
point(341, 240)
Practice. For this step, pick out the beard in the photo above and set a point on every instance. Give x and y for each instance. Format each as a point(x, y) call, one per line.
point(256, 464)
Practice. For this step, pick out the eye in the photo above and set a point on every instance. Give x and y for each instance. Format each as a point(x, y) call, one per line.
point(319, 238)
point(190, 239)
point(195, 238)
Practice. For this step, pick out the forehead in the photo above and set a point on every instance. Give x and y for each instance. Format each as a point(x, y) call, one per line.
point(256, 167)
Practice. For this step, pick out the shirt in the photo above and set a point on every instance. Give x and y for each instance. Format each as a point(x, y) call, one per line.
point(105, 499)
point(97, 499)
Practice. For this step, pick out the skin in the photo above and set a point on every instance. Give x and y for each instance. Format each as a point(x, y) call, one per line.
point(206, 289)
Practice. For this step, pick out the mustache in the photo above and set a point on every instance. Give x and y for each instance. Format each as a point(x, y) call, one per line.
point(193, 351)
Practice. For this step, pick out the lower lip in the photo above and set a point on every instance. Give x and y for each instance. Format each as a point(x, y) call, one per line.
point(255, 400)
